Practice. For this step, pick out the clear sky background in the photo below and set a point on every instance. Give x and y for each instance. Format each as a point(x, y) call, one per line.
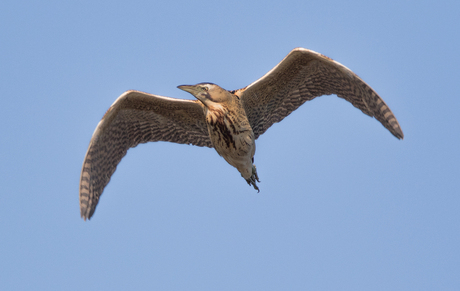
point(343, 204)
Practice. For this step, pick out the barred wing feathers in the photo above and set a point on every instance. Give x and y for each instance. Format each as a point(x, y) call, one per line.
point(302, 76)
point(134, 118)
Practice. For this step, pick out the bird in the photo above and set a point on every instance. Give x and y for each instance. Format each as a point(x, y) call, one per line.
point(227, 120)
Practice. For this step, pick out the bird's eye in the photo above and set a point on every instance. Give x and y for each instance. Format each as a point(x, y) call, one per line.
point(205, 88)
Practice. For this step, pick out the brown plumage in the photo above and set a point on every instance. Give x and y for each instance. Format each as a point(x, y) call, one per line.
point(229, 121)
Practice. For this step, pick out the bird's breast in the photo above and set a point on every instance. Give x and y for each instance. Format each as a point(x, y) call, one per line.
point(231, 136)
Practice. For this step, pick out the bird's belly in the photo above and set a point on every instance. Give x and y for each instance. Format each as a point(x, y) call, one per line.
point(238, 150)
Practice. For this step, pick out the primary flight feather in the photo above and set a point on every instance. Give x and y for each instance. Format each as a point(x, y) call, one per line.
point(228, 121)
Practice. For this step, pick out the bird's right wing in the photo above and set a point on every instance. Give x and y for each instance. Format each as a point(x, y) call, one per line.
point(134, 118)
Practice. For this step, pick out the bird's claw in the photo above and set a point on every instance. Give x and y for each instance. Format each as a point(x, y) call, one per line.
point(252, 180)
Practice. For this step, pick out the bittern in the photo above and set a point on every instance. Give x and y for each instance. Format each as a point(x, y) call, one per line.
point(228, 121)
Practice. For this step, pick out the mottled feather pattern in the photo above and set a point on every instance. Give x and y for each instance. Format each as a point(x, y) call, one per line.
point(224, 136)
point(136, 118)
point(229, 121)
point(302, 76)
point(228, 129)
point(231, 134)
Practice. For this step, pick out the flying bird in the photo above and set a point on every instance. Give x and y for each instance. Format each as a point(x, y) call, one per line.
point(228, 121)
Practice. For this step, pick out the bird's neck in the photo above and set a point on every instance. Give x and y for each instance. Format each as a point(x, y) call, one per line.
point(228, 115)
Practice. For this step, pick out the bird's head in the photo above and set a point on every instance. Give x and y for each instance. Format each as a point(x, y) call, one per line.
point(208, 93)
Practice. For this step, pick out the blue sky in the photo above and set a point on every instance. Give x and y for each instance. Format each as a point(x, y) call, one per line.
point(343, 204)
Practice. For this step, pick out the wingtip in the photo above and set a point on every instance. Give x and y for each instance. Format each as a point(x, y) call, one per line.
point(84, 217)
point(398, 134)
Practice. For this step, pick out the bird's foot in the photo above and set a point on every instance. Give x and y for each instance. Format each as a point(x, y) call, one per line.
point(254, 177)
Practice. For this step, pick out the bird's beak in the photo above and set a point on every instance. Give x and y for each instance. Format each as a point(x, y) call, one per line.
point(195, 91)
point(192, 89)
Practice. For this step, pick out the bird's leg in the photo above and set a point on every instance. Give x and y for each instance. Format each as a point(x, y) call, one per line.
point(254, 177)
point(254, 173)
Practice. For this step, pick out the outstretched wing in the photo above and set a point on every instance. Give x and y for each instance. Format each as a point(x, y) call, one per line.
point(301, 76)
point(134, 118)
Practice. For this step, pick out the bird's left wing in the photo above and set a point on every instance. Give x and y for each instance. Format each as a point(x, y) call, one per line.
point(134, 118)
point(301, 76)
